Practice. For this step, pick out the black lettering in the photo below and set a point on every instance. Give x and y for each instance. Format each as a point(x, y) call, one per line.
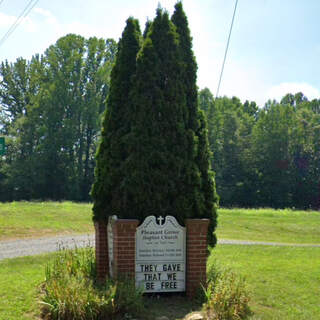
point(148, 267)
point(172, 276)
point(171, 267)
point(169, 285)
point(149, 286)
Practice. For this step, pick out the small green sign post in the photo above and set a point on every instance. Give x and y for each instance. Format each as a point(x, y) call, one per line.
point(2, 146)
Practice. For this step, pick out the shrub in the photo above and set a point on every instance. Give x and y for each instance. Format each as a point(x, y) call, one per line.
point(226, 295)
point(70, 291)
point(154, 155)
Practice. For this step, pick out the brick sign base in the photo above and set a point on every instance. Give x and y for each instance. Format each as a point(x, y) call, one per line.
point(124, 251)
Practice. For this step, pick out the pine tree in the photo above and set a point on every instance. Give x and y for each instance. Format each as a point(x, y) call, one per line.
point(207, 198)
point(188, 60)
point(154, 156)
point(158, 141)
point(146, 28)
point(112, 153)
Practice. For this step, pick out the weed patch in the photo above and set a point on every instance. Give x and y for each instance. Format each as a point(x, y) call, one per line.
point(70, 291)
point(226, 295)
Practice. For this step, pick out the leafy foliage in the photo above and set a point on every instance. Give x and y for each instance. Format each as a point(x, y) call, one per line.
point(114, 149)
point(226, 295)
point(154, 153)
point(206, 198)
point(70, 291)
point(265, 157)
point(51, 108)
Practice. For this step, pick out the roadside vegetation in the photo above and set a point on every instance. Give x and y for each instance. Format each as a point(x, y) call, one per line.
point(164, 144)
point(71, 291)
point(282, 282)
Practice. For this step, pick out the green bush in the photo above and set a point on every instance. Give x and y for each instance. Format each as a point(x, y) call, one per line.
point(154, 157)
point(70, 291)
point(226, 295)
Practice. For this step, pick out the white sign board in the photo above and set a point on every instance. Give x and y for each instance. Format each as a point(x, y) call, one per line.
point(160, 255)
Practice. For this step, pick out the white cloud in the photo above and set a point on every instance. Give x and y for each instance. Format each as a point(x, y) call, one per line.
point(56, 29)
point(50, 18)
point(279, 91)
point(83, 29)
point(248, 82)
point(6, 20)
point(29, 25)
point(244, 82)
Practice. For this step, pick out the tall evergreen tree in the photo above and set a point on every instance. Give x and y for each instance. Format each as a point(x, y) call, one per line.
point(196, 124)
point(188, 61)
point(154, 156)
point(156, 168)
point(107, 192)
point(146, 28)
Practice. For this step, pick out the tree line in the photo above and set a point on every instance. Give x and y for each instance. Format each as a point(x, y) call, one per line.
point(265, 157)
point(50, 114)
point(51, 109)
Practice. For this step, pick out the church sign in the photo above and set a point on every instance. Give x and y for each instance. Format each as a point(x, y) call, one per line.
point(160, 255)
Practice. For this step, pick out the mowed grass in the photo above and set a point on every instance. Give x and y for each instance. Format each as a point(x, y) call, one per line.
point(20, 281)
point(269, 225)
point(40, 219)
point(284, 281)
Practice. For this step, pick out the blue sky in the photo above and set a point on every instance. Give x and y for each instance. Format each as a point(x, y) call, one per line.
point(274, 48)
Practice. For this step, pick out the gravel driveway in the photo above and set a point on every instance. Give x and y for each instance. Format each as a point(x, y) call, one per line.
point(29, 247)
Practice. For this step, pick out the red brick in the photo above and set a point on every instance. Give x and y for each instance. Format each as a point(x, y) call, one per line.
point(196, 259)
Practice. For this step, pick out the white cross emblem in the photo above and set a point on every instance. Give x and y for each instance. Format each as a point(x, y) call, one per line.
point(160, 220)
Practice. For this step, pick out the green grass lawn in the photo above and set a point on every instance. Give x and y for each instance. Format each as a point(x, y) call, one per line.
point(51, 218)
point(20, 280)
point(269, 225)
point(40, 219)
point(284, 281)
